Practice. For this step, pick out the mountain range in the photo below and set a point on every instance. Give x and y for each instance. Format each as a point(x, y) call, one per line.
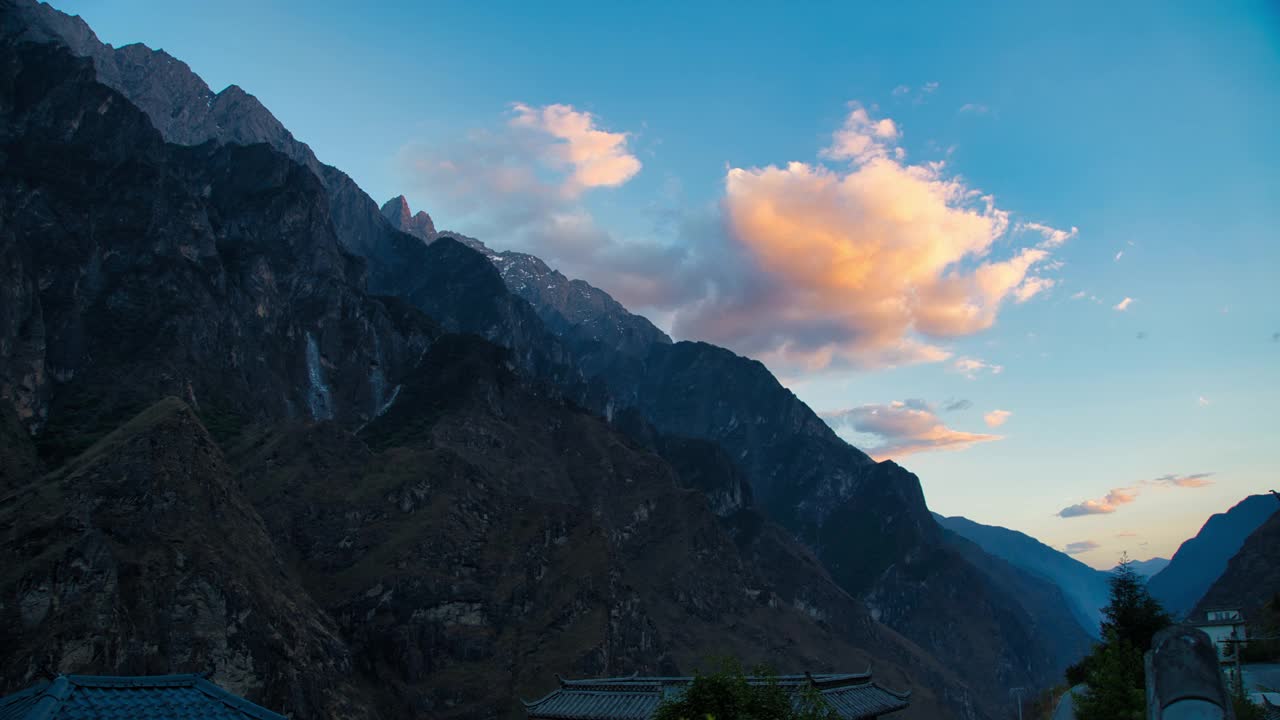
point(1086, 589)
point(1148, 568)
point(355, 466)
point(1251, 582)
point(1202, 560)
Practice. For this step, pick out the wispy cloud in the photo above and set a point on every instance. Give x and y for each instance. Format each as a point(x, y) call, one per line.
point(996, 418)
point(1126, 534)
point(956, 405)
point(974, 109)
point(1119, 255)
point(1202, 401)
point(1082, 546)
point(1122, 496)
point(971, 368)
point(1122, 305)
point(1053, 237)
point(903, 428)
point(1186, 481)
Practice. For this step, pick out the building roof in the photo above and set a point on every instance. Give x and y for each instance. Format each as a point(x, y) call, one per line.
point(94, 697)
point(852, 695)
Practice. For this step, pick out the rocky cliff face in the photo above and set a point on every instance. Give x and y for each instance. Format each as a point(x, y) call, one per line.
point(396, 211)
point(187, 112)
point(583, 316)
point(143, 557)
point(137, 269)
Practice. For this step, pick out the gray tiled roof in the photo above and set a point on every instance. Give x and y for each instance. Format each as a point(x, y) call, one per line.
point(853, 696)
point(92, 697)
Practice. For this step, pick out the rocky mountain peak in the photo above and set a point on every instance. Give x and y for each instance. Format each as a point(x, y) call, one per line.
point(397, 212)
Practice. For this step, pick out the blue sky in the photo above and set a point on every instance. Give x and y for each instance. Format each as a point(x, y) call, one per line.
point(1150, 127)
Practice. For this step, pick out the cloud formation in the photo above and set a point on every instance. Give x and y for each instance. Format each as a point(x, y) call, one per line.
point(1083, 546)
point(954, 405)
point(1186, 481)
point(856, 259)
point(593, 157)
point(867, 264)
point(971, 368)
point(996, 418)
point(1101, 506)
point(1125, 495)
point(1123, 305)
point(903, 428)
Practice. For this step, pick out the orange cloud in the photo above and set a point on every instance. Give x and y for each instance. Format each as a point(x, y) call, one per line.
point(996, 418)
point(889, 255)
point(1122, 496)
point(596, 158)
point(1123, 305)
point(903, 428)
point(1102, 506)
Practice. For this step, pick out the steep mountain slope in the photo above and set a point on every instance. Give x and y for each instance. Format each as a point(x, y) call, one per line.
point(186, 112)
point(585, 317)
point(1086, 589)
point(142, 556)
point(1040, 599)
point(140, 269)
point(477, 534)
point(1252, 578)
point(484, 534)
point(1202, 559)
point(867, 522)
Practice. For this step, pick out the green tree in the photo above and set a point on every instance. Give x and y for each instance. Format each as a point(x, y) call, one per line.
point(1132, 615)
point(1114, 683)
point(727, 694)
point(1114, 672)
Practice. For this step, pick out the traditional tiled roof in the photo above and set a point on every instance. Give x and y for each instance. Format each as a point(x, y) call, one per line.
point(155, 697)
point(852, 695)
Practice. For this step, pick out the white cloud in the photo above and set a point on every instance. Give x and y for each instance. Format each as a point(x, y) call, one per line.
point(972, 367)
point(1122, 305)
point(1202, 401)
point(975, 109)
point(1053, 237)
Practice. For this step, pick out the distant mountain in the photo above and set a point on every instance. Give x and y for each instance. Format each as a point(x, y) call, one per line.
point(1203, 558)
point(1085, 588)
point(1252, 578)
point(1147, 568)
point(1041, 599)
